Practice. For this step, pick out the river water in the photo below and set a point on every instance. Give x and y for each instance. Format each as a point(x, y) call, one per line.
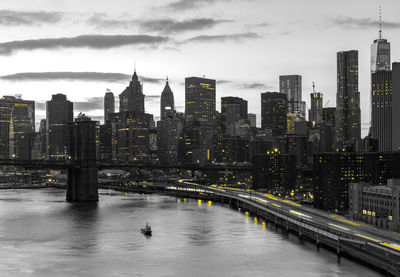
point(42, 235)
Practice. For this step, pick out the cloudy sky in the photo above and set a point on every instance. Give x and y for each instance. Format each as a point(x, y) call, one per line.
point(81, 48)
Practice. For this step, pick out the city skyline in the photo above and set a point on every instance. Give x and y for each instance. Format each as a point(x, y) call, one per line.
point(216, 33)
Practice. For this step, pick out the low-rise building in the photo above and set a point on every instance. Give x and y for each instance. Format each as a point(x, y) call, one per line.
point(377, 205)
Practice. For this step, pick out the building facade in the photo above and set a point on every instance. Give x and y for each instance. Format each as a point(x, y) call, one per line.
point(167, 102)
point(109, 105)
point(274, 112)
point(59, 112)
point(348, 116)
point(132, 98)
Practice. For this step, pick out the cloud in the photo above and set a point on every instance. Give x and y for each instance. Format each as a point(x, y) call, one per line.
point(18, 18)
point(259, 86)
point(363, 23)
point(173, 26)
point(101, 20)
point(77, 76)
point(222, 38)
point(91, 104)
point(85, 41)
point(181, 5)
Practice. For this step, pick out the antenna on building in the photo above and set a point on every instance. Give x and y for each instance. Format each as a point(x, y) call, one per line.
point(313, 87)
point(135, 67)
point(380, 22)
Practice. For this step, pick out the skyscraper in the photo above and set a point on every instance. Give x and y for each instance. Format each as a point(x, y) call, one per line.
point(274, 112)
point(381, 93)
point(291, 85)
point(6, 107)
point(132, 98)
point(229, 103)
point(348, 118)
point(167, 102)
point(396, 103)
point(109, 105)
point(59, 112)
point(381, 109)
point(316, 108)
point(21, 132)
point(200, 95)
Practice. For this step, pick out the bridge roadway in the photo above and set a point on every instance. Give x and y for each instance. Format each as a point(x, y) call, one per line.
point(61, 164)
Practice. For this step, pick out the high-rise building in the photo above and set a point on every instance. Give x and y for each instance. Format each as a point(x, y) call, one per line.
point(167, 102)
point(274, 112)
point(329, 115)
point(291, 85)
point(396, 103)
point(232, 109)
point(316, 108)
point(169, 132)
point(6, 107)
point(381, 109)
point(21, 132)
point(59, 112)
point(109, 105)
point(130, 136)
point(39, 144)
point(381, 93)
point(132, 98)
point(201, 116)
point(348, 117)
point(200, 95)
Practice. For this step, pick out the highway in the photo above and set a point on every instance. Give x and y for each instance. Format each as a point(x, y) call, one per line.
point(333, 223)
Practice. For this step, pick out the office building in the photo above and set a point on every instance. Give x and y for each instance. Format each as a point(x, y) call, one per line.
point(6, 107)
point(316, 108)
point(348, 117)
point(232, 109)
point(167, 102)
point(109, 105)
point(396, 104)
point(274, 112)
point(132, 98)
point(21, 132)
point(59, 112)
point(291, 85)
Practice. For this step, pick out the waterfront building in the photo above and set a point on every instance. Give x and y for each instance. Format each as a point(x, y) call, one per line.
point(59, 112)
point(39, 144)
point(6, 107)
point(21, 132)
point(169, 132)
point(396, 104)
point(378, 205)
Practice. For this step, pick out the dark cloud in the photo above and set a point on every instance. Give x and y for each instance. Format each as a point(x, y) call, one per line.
point(363, 23)
point(258, 86)
point(181, 5)
point(77, 76)
point(153, 96)
point(222, 38)
point(165, 25)
point(85, 41)
point(18, 18)
point(173, 26)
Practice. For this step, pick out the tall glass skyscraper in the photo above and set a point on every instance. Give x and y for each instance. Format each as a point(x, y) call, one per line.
point(381, 93)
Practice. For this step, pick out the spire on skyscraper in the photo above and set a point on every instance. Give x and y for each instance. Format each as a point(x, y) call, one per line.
point(380, 22)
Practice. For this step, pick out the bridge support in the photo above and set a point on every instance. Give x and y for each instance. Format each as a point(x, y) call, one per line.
point(82, 175)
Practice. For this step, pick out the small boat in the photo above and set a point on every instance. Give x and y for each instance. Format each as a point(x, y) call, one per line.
point(146, 231)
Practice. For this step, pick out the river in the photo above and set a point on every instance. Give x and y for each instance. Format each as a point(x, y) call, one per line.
point(42, 235)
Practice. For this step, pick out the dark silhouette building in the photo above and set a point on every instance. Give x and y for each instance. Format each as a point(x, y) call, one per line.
point(21, 132)
point(232, 109)
point(7, 104)
point(132, 98)
point(348, 117)
point(167, 102)
point(109, 105)
point(381, 109)
point(396, 105)
point(274, 112)
point(39, 145)
point(59, 112)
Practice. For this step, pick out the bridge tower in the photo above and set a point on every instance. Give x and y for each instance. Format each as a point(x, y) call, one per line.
point(82, 174)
